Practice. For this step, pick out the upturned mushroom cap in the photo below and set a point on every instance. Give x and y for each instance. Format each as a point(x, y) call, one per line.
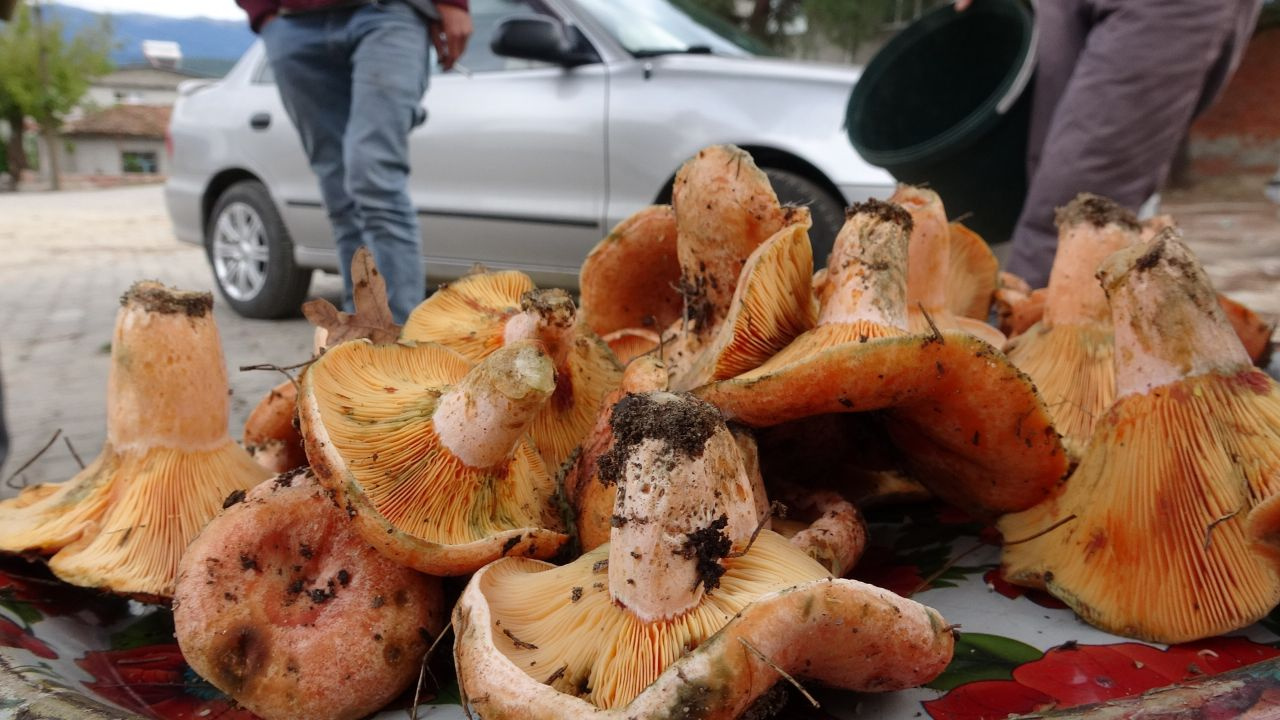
point(932, 287)
point(271, 433)
point(631, 278)
point(429, 453)
point(772, 304)
point(825, 526)
point(629, 344)
point(725, 208)
point(168, 463)
point(972, 275)
point(1069, 352)
point(971, 426)
point(1155, 536)
point(281, 604)
point(622, 629)
point(470, 314)
point(479, 314)
point(1254, 332)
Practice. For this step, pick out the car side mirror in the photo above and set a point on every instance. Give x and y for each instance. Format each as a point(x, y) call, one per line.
point(542, 39)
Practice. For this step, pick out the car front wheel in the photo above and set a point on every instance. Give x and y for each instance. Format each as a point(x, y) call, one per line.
point(252, 254)
point(827, 211)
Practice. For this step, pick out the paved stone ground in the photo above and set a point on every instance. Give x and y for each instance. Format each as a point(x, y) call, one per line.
point(65, 259)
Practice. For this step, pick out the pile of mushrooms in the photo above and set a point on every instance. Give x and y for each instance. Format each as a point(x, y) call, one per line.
point(607, 473)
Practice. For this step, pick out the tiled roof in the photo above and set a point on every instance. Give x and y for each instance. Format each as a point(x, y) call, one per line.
point(139, 121)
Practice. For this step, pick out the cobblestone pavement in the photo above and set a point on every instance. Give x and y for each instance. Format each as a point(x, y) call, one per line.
point(65, 259)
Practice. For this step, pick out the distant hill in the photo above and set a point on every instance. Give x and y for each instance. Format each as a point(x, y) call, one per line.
point(209, 46)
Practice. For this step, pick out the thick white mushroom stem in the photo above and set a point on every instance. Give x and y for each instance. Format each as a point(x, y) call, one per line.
point(867, 274)
point(167, 386)
point(1168, 322)
point(1090, 229)
point(684, 502)
point(482, 417)
point(546, 315)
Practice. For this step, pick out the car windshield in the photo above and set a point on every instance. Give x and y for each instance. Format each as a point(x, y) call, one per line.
point(664, 27)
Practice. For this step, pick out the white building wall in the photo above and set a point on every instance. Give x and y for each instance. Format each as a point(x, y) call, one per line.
point(105, 156)
point(104, 97)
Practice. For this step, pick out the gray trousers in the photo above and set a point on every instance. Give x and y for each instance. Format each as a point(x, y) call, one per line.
point(1118, 83)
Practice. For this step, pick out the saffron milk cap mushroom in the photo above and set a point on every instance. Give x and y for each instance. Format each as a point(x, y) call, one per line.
point(282, 605)
point(1166, 531)
point(166, 467)
point(686, 612)
point(429, 454)
point(970, 425)
point(630, 279)
point(1069, 352)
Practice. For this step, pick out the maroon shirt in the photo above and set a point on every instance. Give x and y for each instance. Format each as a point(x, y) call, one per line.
point(260, 10)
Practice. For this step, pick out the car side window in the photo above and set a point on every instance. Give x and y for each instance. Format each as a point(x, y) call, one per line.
point(486, 15)
point(264, 75)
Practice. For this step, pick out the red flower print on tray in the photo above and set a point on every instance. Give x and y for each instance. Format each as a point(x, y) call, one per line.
point(15, 636)
point(154, 680)
point(1072, 675)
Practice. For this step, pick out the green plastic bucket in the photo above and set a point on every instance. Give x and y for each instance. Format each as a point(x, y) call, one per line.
point(946, 103)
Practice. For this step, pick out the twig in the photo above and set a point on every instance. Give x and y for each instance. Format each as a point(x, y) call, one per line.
point(924, 584)
point(282, 370)
point(812, 701)
point(422, 672)
point(937, 334)
point(27, 464)
point(963, 216)
point(67, 439)
point(1045, 531)
point(1208, 531)
point(775, 509)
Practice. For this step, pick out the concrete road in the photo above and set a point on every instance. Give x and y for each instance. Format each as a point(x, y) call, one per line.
point(65, 260)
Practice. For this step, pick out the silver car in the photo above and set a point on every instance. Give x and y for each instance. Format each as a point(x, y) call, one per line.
point(568, 116)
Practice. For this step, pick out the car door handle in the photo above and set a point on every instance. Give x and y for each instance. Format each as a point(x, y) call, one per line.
point(260, 121)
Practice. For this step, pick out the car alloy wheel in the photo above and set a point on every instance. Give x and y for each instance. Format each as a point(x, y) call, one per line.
point(239, 251)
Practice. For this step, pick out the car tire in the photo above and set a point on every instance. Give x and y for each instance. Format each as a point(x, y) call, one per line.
point(827, 211)
point(251, 254)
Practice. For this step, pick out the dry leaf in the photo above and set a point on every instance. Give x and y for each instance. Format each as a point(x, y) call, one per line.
point(372, 318)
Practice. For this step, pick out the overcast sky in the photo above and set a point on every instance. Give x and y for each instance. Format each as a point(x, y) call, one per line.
point(221, 9)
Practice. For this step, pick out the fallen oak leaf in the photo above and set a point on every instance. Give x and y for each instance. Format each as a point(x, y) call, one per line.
point(372, 318)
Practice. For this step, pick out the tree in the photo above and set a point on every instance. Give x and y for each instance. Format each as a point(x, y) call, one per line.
point(45, 75)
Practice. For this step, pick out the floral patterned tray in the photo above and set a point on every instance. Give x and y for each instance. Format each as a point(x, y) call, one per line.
point(71, 653)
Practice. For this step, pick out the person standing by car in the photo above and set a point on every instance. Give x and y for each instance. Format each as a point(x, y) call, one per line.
point(351, 75)
point(1118, 83)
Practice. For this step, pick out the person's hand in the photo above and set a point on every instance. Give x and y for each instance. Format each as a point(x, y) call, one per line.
point(266, 21)
point(962, 5)
point(450, 34)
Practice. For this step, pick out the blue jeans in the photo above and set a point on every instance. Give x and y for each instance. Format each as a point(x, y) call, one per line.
point(352, 81)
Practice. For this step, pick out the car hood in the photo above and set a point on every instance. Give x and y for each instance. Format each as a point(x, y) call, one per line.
point(758, 67)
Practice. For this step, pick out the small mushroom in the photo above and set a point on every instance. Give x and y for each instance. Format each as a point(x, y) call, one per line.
point(1166, 531)
point(166, 467)
point(1069, 352)
point(271, 433)
point(631, 343)
point(934, 286)
point(684, 613)
point(630, 279)
point(430, 455)
point(970, 426)
point(282, 605)
point(480, 314)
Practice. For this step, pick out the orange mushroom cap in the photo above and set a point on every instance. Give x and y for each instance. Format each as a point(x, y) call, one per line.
point(972, 274)
point(166, 467)
point(971, 426)
point(630, 279)
point(271, 433)
point(482, 313)
point(934, 286)
point(429, 454)
point(1161, 532)
point(622, 632)
point(771, 306)
point(1069, 352)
